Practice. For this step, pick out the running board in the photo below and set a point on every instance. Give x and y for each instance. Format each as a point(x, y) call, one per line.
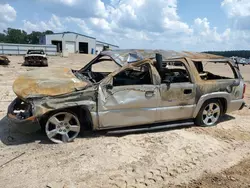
point(151, 128)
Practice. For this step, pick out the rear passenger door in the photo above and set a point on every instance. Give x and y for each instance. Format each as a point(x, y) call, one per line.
point(177, 92)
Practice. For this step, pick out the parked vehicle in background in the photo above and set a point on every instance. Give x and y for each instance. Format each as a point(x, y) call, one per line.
point(35, 58)
point(149, 87)
point(240, 60)
point(4, 60)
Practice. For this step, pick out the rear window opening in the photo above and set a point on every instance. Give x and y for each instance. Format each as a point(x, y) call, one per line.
point(174, 72)
point(36, 52)
point(104, 64)
point(215, 70)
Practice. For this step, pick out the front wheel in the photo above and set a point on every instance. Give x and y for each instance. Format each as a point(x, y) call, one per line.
point(62, 127)
point(209, 113)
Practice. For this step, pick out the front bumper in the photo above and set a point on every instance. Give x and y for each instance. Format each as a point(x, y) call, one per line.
point(23, 121)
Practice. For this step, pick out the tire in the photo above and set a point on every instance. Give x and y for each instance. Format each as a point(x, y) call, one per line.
point(209, 113)
point(62, 127)
point(45, 63)
point(25, 64)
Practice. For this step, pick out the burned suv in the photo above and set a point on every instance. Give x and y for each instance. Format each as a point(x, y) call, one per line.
point(35, 58)
point(149, 87)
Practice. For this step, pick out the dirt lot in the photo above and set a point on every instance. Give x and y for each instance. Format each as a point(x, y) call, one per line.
point(187, 157)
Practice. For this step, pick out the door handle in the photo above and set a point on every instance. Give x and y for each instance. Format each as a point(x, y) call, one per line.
point(149, 94)
point(188, 91)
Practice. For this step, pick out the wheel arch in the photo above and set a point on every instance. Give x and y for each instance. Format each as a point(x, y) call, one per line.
point(223, 97)
point(82, 112)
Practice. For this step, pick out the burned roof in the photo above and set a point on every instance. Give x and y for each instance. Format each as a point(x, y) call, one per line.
point(123, 56)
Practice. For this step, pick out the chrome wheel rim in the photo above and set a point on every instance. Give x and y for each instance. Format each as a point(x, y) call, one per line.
point(211, 114)
point(62, 127)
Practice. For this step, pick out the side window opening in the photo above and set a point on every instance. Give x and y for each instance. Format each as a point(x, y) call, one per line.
point(174, 72)
point(215, 70)
point(104, 64)
point(134, 76)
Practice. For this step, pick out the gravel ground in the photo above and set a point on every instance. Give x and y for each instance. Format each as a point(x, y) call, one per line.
point(186, 157)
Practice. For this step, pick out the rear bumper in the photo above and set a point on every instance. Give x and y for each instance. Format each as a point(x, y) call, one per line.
point(26, 125)
point(242, 106)
point(235, 105)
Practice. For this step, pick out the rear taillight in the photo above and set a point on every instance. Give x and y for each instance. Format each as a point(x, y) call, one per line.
point(244, 90)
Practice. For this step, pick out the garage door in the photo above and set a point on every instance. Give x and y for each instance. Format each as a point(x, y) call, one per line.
point(70, 47)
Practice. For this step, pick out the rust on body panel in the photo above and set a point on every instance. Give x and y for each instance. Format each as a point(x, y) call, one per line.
point(48, 83)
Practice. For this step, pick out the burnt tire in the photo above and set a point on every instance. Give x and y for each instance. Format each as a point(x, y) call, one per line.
point(25, 63)
point(209, 113)
point(45, 63)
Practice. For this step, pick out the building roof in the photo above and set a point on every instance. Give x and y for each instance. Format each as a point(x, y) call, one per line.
point(106, 43)
point(72, 33)
point(84, 36)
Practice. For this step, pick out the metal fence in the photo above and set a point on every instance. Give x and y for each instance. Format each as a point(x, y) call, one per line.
point(21, 49)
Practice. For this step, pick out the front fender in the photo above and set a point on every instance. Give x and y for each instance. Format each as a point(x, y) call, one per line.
point(44, 108)
point(206, 97)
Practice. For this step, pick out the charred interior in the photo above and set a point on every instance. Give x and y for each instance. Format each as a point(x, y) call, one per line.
point(136, 76)
point(20, 109)
point(35, 59)
point(174, 72)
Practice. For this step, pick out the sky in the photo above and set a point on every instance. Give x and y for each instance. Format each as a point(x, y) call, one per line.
point(193, 25)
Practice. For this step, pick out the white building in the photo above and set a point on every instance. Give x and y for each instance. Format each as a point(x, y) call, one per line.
point(75, 43)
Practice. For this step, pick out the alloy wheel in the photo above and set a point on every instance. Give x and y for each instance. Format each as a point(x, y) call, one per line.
point(211, 114)
point(62, 127)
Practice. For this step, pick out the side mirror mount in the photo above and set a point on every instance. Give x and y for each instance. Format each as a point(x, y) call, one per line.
point(109, 86)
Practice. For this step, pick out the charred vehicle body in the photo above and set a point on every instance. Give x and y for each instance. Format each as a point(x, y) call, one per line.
point(148, 87)
point(35, 58)
point(4, 60)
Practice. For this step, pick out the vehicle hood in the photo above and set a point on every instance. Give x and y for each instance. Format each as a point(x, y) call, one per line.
point(40, 83)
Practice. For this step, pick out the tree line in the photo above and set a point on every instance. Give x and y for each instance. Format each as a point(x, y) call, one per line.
point(19, 36)
point(239, 53)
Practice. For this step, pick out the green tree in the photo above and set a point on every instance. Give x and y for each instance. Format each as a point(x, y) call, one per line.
point(15, 36)
point(2, 37)
point(48, 32)
point(33, 38)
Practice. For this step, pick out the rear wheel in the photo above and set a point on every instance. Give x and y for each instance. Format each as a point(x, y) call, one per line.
point(209, 114)
point(62, 127)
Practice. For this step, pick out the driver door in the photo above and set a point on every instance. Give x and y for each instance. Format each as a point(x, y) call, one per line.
point(127, 105)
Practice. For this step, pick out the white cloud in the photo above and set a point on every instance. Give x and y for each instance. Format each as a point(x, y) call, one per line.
point(80, 23)
point(7, 15)
point(205, 32)
point(54, 24)
point(239, 13)
point(146, 24)
point(76, 8)
point(236, 8)
point(150, 15)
